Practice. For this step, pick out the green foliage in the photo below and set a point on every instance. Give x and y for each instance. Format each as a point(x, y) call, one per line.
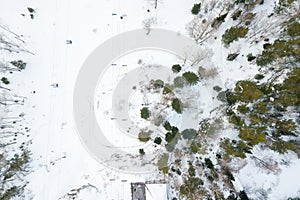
point(221, 18)
point(282, 146)
point(142, 152)
point(10, 193)
point(195, 147)
point(289, 91)
point(172, 138)
point(236, 120)
point(236, 149)
point(162, 163)
point(158, 83)
point(217, 88)
point(243, 195)
point(189, 134)
point(19, 64)
point(191, 78)
point(5, 80)
point(261, 107)
point(286, 127)
point(180, 82)
point(145, 113)
point(209, 164)
point(176, 105)
point(144, 136)
point(191, 187)
point(259, 76)
point(279, 49)
point(191, 171)
point(247, 91)
point(243, 108)
point(236, 15)
point(31, 10)
point(196, 8)
point(167, 126)
point(250, 57)
point(252, 136)
point(157, 140)
point(232, 56)
point(176, 68)
point(167, 89)
point(234, 33)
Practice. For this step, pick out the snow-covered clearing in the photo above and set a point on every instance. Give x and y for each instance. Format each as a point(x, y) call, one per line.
point(61, 166)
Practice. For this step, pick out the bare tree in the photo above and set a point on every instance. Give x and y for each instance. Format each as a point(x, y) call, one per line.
point(148, 23)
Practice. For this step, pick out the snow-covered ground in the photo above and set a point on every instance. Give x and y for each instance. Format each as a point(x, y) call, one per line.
point(60, 163)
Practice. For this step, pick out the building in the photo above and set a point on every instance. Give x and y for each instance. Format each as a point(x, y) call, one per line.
point(149, 191)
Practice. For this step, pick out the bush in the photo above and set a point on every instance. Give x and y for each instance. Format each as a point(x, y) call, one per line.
point(250, 57)
point(144, 136)
point(180, 82)
point(145, 113)
point(282, 146)
point(196, 8)
point(208, 163)
point(247, 91)
point(234, 33)
point(236, 14)
point(232, 56)
point(158, 83)
point(294, 29)
point(31, 10)
point(157, 140)
point(191, 78)
point(189, 134)
point(167, 89)
point(5, 80)
point(19, 64)
point(167, 126)
point(176, 68)
point(142, 152)
point(176, 105)
point(162, 163)
point(259, 76)
point(195, 147)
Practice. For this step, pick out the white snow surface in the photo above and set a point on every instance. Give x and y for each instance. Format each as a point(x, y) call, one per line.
point(59, 161)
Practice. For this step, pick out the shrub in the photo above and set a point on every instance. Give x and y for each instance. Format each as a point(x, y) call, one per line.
point(144, 136)
point(195, 147)
point(232, 56)
point(259, 76)
point(208, 163)
point(19, 64)
point(176, 68)
point(31, 10)
point(180, 82)
point(176, 105)
point(250, 57)
point(158, 83)
point(145, 113)
point(162, 163)
point(247, 91)
point(234, 33)
point(142, 152)
point(167, 89)
point(236, 14)
point(191, 78)
point(167, 126)
point(189, 134)
point(157, 140)
point(5, 80)
point(294, 29)
point(196, 8)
